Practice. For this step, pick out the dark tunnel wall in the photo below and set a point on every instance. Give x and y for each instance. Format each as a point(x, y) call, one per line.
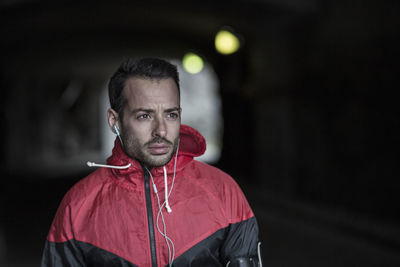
point(350, 74)
point(309, 107)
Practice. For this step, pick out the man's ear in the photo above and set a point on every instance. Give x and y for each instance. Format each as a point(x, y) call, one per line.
point(113, 119)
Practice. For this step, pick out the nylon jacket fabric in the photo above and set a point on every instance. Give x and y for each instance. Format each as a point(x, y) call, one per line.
point(103, 219)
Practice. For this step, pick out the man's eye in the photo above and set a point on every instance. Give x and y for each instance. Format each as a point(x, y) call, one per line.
point(173, 115)
point(143, 116)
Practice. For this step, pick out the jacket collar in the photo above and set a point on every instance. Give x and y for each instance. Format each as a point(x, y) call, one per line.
point(192, 144)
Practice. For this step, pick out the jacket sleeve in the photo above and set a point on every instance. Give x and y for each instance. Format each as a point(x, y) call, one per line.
point(61, 249)
point(241, 245)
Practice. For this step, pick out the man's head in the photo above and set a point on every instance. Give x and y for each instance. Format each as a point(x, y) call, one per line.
point(145, 107)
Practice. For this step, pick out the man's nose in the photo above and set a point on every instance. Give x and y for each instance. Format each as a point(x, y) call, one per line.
point(160, 129)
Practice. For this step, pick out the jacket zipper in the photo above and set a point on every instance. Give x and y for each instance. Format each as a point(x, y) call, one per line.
point(150, 218)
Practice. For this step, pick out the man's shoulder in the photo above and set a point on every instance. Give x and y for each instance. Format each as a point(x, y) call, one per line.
point(223, 187)
point(211, 176)
point(207, 170)
point(76, 203)
point(87, 185)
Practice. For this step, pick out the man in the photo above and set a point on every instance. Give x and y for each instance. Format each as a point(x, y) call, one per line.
point(153, 204)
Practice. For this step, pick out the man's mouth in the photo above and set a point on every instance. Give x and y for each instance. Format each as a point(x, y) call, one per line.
point(158, 149)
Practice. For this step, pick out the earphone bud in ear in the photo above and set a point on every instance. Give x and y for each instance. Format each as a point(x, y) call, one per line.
point(116, 129)
point(117, 132)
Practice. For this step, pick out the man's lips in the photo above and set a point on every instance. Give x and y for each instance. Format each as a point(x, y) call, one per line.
point(158, 149)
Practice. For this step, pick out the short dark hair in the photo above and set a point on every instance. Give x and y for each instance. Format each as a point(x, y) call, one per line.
point(146, 68)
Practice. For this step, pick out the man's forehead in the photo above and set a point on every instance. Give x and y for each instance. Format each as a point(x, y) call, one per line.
point(141, 92)
point(136, 83)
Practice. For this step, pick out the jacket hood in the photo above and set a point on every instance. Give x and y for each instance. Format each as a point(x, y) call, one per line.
point(192, 144)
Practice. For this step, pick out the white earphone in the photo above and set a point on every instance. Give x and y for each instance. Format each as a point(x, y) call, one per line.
point(117, 132)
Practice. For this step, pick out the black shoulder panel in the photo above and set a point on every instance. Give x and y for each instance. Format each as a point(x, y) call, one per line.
point(205, 253)
point(228, 244)
point(236, 240)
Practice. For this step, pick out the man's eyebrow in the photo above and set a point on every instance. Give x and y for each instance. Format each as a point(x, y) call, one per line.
point(147, 110)
point(172, 109)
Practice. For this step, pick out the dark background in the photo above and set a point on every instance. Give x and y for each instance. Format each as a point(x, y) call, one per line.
point(309, 107)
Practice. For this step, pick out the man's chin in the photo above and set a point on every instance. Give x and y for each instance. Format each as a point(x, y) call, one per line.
point(158, 160)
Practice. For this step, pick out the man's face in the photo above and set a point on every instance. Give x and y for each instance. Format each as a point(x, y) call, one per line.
point(151, 120)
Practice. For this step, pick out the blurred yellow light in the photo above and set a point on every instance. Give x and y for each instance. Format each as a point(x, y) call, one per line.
point(192, 63)
point(226, 43)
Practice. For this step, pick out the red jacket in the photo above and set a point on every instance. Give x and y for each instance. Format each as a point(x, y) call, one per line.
point(109, 218)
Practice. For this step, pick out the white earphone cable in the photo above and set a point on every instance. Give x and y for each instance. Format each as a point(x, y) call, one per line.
point(170, 243)
point(168, 240)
